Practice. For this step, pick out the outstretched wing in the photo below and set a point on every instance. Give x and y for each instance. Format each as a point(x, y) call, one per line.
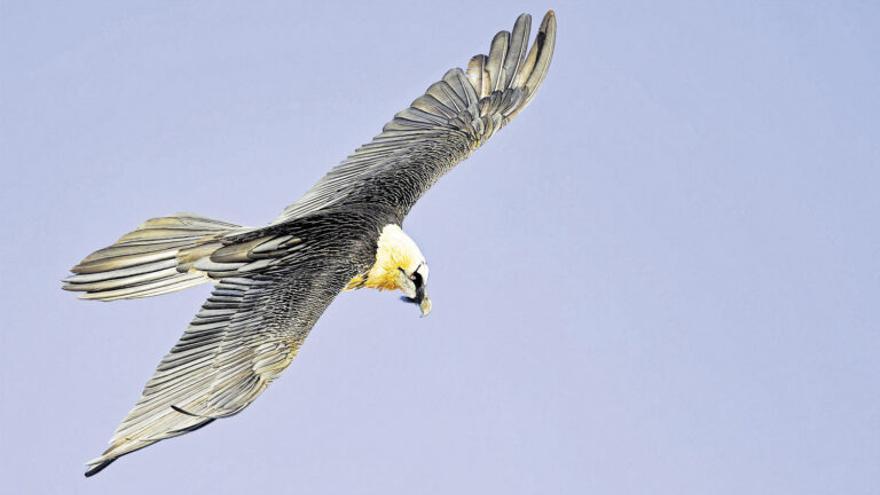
point(442, 127)
point(246, 334)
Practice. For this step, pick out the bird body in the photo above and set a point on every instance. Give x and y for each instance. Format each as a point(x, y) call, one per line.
point(272, 283)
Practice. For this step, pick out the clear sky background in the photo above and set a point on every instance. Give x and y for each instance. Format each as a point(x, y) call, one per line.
point(662, 277)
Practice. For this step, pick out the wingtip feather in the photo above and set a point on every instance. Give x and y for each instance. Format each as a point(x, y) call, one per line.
point(95, 466)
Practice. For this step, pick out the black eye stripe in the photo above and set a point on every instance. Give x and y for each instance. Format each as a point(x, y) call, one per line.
point(416, 277)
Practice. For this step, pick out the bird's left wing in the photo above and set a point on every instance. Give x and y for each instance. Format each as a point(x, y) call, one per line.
point(442, 127)
point(246, 334)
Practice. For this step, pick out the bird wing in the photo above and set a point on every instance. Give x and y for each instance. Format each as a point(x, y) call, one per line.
point(244, 336)
point(440, 128)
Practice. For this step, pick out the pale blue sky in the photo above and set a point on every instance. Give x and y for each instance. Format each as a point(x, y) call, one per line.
point(662, 277)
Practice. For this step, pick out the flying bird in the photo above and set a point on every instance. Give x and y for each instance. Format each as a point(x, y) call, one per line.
point(272, 283)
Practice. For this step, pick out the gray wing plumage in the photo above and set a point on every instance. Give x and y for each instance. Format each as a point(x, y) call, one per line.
point(442, 127)
point(246, 334)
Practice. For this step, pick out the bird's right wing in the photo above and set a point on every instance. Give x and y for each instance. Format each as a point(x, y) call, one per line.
point(246, 334)
point(442, 127)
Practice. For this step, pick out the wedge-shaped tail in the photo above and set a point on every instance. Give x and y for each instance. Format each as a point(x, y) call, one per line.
point(156, 258)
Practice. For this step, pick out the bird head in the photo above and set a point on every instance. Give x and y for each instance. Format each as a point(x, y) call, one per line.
point(399, 265)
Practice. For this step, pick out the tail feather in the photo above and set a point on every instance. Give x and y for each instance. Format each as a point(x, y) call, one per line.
point(156, 258)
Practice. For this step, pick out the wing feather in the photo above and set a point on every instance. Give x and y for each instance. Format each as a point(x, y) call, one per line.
point(495, 64)
point(268, 295)
point(440, 128)
point(247, 332)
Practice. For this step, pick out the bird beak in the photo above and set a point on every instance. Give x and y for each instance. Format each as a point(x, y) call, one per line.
point(422, 300)
point(425, 305)
point(413, 294)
